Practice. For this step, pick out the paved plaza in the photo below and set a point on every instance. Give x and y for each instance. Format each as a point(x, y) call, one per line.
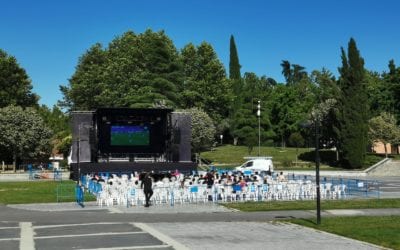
point(189, 226)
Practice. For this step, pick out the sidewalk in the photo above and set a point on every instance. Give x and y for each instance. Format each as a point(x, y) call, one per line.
point(196, 209)
point(196, 226)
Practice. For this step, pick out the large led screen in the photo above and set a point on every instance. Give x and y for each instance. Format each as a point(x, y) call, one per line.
point(130, 135)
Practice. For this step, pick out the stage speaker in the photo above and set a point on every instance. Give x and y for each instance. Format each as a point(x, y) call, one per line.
point(83, 136)
point(181, 137)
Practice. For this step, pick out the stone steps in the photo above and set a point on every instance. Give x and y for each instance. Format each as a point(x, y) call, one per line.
point(390, 168)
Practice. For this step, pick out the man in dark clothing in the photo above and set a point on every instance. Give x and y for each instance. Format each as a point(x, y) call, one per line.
point(147, 188)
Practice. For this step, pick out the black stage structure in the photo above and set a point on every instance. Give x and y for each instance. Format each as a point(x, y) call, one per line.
point(127, 140)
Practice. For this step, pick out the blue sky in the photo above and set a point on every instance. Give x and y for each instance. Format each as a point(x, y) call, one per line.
point(48, 37)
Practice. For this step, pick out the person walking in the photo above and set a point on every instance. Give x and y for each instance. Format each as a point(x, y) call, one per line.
point(147, 184)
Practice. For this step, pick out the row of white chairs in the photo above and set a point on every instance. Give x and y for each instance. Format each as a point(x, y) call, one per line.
point(130, 194)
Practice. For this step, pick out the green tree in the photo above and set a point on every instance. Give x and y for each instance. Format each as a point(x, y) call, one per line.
point(23, 134)
point(15, 85)
point(234, 66)
point(205, 85)
point(293, 73)
point(392, 80)
point(249, 137)
point(203, 130)
point(244, 121)
point(328, 91)
point(383, 128)
point(380, 97)
point(237, 87)
point(133, 71)
point(289, 106)
point(87, 86)
point(353, 107)
point(55, 119)
point(296, 140)
point(59, 123)
point(287, 71)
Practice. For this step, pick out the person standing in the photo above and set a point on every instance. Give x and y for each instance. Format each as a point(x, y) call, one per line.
point(147, 184)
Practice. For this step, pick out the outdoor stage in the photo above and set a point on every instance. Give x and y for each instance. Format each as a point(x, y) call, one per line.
point(157, 140)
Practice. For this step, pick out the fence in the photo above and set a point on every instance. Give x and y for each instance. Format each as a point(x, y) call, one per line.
point(36, 174)
point(355, 188)
point(65, 191)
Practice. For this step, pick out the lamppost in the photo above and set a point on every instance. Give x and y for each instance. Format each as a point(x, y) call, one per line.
point(78, 152)
point(259, 127)
point(315, 122)
point(221, 137)
point(317, 160)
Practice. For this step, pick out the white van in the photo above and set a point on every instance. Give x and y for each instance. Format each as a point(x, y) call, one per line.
point(257, 164)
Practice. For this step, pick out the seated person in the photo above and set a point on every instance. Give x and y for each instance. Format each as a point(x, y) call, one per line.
point(281, 177)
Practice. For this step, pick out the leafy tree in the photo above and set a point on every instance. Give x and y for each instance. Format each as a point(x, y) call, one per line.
point(55, 119)
point(289, 106)
point(298, 73)
point(15, 85)
point(383, 128)
point(287, 71)
point(58, 122)
point(328, 92)
point(296, 140)
point(203, 130)
point(134, 71)
point(354, 108)
point(293, 73)
point(23, 134)
point(244, 121)
point(63, 145)
point(249, 137)
point(87, 88)
point(380, 96)
point(392, 80)
point(205, 85)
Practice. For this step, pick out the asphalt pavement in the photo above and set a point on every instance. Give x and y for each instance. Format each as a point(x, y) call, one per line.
point(187, 226)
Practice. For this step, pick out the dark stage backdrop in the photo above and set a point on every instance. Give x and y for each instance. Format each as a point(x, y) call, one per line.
point(181, 136)
point(84, 135)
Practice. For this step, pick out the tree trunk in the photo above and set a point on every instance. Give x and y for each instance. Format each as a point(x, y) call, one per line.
point(14, 163)
point(384, 144)
point(235, 141)
point(2, 166)
point(198, 159)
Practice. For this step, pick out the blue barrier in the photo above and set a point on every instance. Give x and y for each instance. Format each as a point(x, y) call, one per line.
point(57, 175)
point(354, 187)
point(79, 196)
point(31, 172)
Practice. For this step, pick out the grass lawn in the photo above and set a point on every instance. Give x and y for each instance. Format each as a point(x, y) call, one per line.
point(310, 205)
point(380, 230)
point(233, 155)
point(37, 192)
point(283, 158)
point(228, 156)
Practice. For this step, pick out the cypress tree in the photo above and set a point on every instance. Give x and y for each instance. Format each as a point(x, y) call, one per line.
point(236, 81)
point(354, 108)
point(234, 66)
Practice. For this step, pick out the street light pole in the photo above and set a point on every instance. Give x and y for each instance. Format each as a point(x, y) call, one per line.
point(221, 137)
point(317, 160)
point(259, 130)
point(78, 153)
